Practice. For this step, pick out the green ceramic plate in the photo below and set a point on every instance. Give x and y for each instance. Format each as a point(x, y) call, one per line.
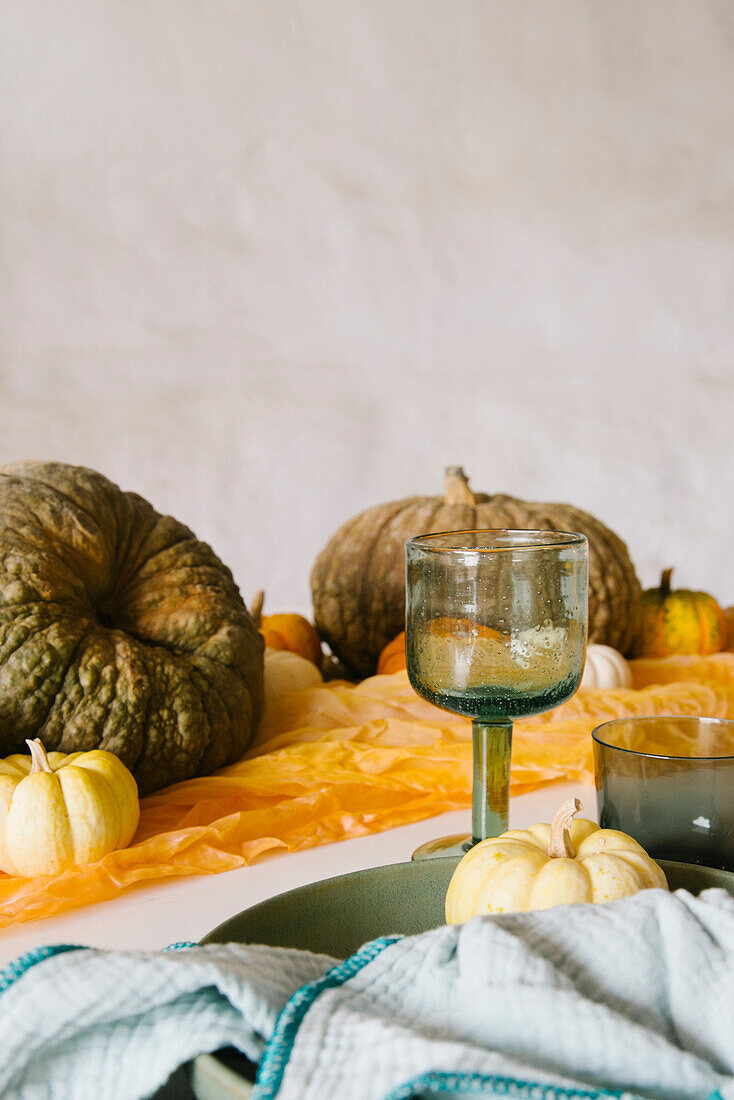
point(337, 916)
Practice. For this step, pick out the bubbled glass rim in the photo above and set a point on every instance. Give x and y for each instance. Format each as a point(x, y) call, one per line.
point(502, 540)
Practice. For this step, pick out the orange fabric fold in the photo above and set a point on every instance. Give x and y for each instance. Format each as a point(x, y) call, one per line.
point(342, 760)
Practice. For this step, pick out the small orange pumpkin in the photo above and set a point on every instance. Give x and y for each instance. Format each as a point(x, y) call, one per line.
point(289, 632)
point(392, 658)
point(678, 623)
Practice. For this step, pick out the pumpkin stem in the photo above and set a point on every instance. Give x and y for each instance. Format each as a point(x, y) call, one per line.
point(559, 845)
point(39, 760)
point(665, 582)
point(256, 608)
point(457, 489)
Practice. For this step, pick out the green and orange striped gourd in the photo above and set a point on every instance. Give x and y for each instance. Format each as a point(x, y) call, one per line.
point(677, 622)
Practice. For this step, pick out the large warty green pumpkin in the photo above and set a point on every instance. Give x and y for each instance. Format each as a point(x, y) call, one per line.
point(119, 630)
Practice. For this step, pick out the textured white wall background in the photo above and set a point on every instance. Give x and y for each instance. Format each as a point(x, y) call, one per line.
point(269, 263)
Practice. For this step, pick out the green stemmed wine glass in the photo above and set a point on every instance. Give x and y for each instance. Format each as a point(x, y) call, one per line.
point(496, 630)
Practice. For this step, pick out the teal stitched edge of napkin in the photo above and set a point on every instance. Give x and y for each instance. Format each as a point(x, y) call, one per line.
point(279, 1046)
point(478, 1084)
point(276, 1059)
point(16, 968)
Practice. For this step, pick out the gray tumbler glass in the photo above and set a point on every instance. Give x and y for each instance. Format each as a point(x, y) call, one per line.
point(669, 783)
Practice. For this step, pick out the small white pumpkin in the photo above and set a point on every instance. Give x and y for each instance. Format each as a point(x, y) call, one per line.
point(605, 668)
point(285, 671)
point(546, 865)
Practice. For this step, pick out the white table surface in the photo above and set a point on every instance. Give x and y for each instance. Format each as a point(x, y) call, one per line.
point(173, 910)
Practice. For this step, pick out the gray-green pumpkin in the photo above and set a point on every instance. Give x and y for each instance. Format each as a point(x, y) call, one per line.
point(119, 630)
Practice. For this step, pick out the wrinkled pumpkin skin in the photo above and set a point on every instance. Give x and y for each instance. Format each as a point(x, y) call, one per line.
point(119, 630)
point(358, 580)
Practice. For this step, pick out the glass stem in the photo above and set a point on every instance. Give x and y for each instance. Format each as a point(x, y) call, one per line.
point(491, 791)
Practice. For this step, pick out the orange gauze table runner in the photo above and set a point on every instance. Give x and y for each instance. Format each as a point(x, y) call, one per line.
point(342, 760)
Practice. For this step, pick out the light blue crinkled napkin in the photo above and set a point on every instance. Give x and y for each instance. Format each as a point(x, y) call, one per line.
point(635, 996)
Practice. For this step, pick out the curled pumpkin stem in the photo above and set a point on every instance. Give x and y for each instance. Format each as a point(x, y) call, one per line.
point(665, 580)
point(256, 608)
point(39, 761)
point(559, 845)
point(457, 489)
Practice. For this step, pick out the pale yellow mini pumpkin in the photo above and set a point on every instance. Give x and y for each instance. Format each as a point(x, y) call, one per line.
point(546, 865)
point(285, 671)
point(605, 667)
point(59, 810)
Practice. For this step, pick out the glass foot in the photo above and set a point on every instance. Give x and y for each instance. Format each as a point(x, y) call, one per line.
point(456, 845)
